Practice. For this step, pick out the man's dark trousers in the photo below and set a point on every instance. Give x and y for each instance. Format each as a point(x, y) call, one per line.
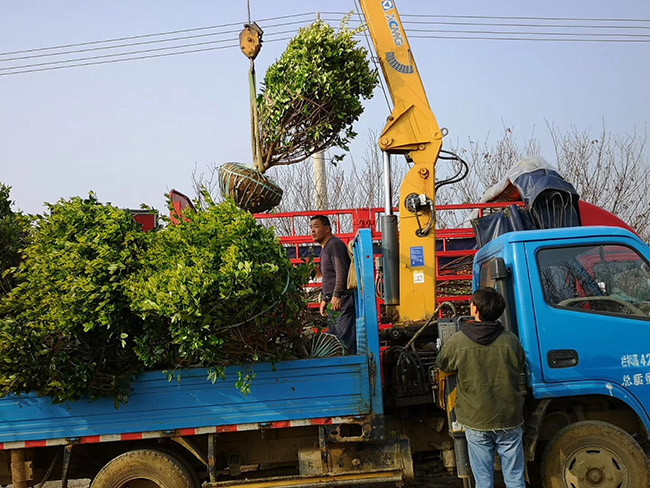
point(345, 326)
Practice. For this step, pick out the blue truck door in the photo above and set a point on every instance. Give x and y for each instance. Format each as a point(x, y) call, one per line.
point(591, 307)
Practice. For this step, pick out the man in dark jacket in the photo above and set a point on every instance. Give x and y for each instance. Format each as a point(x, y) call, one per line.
point(334, 267)
point(488, 361)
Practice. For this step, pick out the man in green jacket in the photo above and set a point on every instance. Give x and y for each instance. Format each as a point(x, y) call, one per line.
point(488, 361)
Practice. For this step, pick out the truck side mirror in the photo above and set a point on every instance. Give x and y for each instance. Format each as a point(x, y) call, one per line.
point(499, 272)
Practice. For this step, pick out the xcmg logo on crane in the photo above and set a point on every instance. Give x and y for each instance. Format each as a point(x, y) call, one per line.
point(393, 24)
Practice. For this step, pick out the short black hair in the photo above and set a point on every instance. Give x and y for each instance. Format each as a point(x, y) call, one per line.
point(323, 220)
point(489, 303)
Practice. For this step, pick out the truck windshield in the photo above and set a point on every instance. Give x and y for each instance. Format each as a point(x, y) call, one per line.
point(607, 279)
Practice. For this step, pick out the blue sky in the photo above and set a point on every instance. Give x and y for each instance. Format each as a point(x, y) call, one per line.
point(131, 131)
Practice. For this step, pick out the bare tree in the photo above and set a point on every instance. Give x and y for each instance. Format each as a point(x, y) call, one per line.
point(609, 171)
point(361, 185)
point(357, 186)
point(366, 180)
point(208, 180)
point(488, 165)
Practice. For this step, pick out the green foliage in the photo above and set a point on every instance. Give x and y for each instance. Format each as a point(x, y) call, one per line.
point(312, 94)
point(97, 301)
point(14, 232)
point(215, 290)
point(66, 326)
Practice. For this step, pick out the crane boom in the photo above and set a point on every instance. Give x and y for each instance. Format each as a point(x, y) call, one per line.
point(411, 129)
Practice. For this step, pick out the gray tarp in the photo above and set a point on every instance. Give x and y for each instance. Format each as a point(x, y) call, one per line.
point(550, 201)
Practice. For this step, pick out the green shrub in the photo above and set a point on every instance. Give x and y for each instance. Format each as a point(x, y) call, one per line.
point(217, 289)
point(311, 96)
point(97, 301)
point(66, 326)
point(14, 233)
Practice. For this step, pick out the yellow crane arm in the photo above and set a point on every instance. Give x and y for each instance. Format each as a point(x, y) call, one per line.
point(411, 129)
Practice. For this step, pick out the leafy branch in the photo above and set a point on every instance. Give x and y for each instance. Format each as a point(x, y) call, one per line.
point(312, 95)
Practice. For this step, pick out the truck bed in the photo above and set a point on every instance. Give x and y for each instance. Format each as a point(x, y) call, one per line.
point(293, 390)
point(287, 394)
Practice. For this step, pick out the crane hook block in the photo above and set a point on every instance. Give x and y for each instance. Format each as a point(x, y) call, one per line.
point(250, 40)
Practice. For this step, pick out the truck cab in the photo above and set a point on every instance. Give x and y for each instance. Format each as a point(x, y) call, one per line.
point(579, 300)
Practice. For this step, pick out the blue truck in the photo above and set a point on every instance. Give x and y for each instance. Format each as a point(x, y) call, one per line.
point(578, 298)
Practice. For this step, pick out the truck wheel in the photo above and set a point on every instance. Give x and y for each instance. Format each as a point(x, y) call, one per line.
point(144, 469)
point(594, 454)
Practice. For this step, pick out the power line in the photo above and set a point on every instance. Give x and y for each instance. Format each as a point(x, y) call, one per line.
point(113, 55)
point(485, 38)
point(556, 19)
point(51, 68)
point(127, 53)
point(143, 36)
point(62, 53)
point(373, 58)
point(407, 23)
point(20, 70)
point(491, 17)
point(405, 16)
point(509, 24)
point(554, 26)
point(570, 34)
point(117, 46)
point(451, 34)
point(529, 35)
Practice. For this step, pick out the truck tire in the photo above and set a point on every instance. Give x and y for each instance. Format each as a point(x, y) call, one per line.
point(594, 454)
point(144, 468)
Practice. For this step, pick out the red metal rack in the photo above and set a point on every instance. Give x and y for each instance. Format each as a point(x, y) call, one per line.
point(453, 265)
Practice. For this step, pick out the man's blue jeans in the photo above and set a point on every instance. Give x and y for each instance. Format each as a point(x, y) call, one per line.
point(508, 444)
